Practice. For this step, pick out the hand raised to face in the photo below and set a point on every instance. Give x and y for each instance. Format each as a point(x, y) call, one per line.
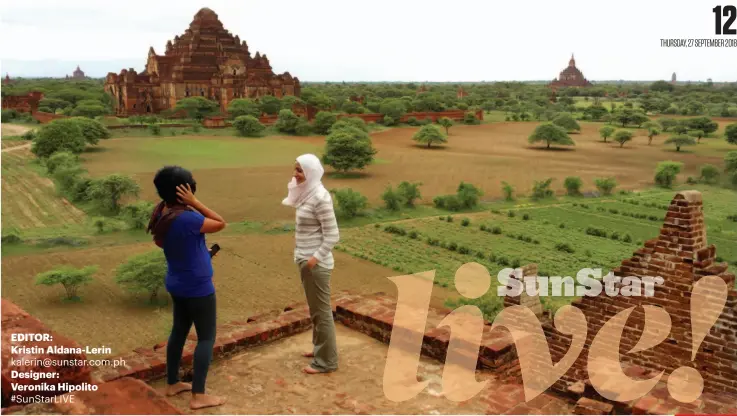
point(185, 195)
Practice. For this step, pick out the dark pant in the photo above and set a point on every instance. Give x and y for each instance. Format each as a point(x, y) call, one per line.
point(201, 312)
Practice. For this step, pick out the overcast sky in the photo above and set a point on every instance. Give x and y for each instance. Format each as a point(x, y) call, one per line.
point(380, 40)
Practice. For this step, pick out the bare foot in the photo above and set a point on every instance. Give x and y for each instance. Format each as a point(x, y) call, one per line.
point(200, 401)
point(310, 370)
point(308, 354)
point(174, 389)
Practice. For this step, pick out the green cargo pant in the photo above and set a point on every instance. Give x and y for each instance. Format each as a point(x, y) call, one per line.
point(316, 283)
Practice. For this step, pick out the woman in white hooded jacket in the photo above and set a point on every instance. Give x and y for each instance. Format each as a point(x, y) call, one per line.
point(316, 232)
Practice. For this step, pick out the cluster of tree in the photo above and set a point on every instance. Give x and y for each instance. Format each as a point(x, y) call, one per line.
point(10, 115)
point(85, 98)
point(58, 145)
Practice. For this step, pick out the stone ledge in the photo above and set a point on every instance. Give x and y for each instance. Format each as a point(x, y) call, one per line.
point(149, 363)
point(374, 316)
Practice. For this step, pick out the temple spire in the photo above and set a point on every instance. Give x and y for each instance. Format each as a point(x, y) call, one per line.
point(572, 62)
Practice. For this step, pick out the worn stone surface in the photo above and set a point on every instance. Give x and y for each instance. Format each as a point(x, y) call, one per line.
point(268, 380)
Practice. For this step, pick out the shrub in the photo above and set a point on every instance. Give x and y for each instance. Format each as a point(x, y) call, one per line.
point(516, 263)
point(596, 232)
point(615, 236)
point(482, 227)
point(709, 173)
point(449, 219)
point(502, 261)
point(324, 120)
point(665, 173)
point(564, 247)
point(413, 235)
point(496, 230)
point(348, 148)
point(573, 185)
point(465, 222)
point(412, 121)
point(541, 190)
point(92, 130)
point(70, 278)
point(566, 122)
point(58, 136)
point(11, 238)
point(452, 246)
point(248, 126)
point(347, 122)
point(29, 135)
point(526, 217)
point(392, 199)
point(60, 160)
point(67, 177)
point(143, 273)
point(287, 122)
point(463, 250)
point(350, 202)
point(605, 185)
point(508, 191)
point(108, 191)
point(511, 214)
point(137, 215)
point(470, 118)
point(627, 238)
point(393, 229)
point(155, 129)
point(562, 225)
point(409, 192)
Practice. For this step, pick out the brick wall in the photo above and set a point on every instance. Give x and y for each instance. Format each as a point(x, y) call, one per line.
point(681, 256)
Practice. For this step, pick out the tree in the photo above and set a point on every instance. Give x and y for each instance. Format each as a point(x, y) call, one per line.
point(665, 173)
point(248, 126)
point(89, 110)
point(567, 122)
point(605, 185)
point(323, 121)
point(573, 185)
point(704, 124)
point(57, 136)
point(709, 173)
point(652, 132)
point(54, 104)
point(668, 123)
point(697, 133)
point(270, 105)
point(606, 132)
point(287, 122)
point(681, 140)
point(243, 107)
point(137, 214)
point(349, 122)
point(143, 273)
point(638, 118)
point(622, 137)
point(61, 160)
point(69, 277)
point(394, 109)
point(550, 133)
point(197, 107)
point(730, 133)
point(92, 130)
point(446, 123)
point(350, 202)
point(429, 134)
point(348, 148)
point(108, 191)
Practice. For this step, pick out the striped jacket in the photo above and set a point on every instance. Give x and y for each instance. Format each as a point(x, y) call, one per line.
point(316, 230)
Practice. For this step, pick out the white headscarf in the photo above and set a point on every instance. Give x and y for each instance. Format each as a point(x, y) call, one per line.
point(313, 171)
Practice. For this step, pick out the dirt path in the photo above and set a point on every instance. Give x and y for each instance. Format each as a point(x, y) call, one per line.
point(14, 129)
point(23, 146)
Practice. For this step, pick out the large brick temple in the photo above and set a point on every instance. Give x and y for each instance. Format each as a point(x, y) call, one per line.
point(208, 61)
point(571, 76)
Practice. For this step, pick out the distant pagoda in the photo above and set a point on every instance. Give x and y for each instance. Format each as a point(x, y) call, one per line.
point(570, 77)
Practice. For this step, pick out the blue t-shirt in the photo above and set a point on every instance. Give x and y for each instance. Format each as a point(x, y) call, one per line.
point(189, 271)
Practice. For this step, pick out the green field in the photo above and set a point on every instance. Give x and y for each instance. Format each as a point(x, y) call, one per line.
point(444, 246)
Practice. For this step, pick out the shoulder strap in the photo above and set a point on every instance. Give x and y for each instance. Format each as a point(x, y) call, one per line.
point(160, 223)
